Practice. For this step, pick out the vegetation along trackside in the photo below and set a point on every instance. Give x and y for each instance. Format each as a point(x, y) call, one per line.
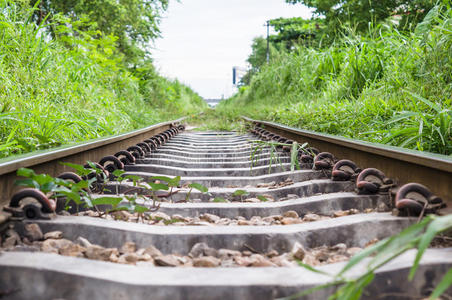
point(68, 74)
point(385, 79)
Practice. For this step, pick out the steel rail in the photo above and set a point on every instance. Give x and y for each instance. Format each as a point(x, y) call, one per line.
point(48, 161)
point(403, 165)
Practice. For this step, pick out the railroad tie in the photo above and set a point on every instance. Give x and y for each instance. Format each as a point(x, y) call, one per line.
point(210, 215)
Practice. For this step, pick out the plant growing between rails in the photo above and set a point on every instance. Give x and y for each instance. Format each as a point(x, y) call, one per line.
point(196, 186)
point(172, 183)
point(258, 149)
point(54, 188)
point(241, 194)
point(295, 149)
point(57, 188)
point(418, 236)
point(219, 200)
point(81, 193)
point(262, 198)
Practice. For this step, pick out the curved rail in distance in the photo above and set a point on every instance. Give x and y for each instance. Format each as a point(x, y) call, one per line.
point(47, 161)
point(403, 165)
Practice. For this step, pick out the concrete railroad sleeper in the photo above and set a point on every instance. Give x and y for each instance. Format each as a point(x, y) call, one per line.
point(239, 240)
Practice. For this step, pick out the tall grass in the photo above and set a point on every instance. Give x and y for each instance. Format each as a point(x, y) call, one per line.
point(385, 86)
point(59, 90)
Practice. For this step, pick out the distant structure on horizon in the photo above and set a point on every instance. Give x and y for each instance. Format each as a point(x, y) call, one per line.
point(213, 102)
point(237, 74)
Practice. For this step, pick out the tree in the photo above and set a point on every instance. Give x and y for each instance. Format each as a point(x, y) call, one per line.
point(297, 31)
point(358, 13)
point(258, 57)
point(134, 22)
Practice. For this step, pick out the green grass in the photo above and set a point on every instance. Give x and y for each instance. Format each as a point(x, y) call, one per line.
point(386, 86)
point(215, 119)
point(75, 87)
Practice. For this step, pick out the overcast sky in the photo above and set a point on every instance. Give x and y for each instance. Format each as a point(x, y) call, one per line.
point(203, 39)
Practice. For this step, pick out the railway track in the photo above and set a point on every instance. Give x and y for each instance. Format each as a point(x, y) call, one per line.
point(234, 225)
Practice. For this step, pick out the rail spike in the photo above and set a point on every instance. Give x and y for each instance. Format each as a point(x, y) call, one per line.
point(324, 161)
point(157, 141)
point(31, 203)
point(71, 176)
point(145, 147)
point(62, 202)
point(151, 143)
point(125, 157)
point(166, 136)
point(99, 177)
point(371, 181)
point(287, 148)
point(306, 156)
point(111, 163)
point(136, 151)
point(161, 138)
point(344, 170)
point(412, 199)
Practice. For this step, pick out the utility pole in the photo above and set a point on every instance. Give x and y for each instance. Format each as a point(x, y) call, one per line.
point(268, 42)
point(234, 75)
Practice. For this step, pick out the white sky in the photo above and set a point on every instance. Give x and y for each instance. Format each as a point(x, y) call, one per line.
point(203, 39)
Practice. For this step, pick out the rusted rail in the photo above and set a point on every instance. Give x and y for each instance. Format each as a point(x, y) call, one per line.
point(48, 161)
point(403, 165)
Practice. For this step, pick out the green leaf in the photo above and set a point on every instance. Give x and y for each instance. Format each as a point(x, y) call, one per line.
point(158, 186)
point(43, 179)
point(91, 165)
point(81, 170)
point(73, 196)
point(113, 201)
point(131, 199)
point(133, 177)
point(62, 189)
point(162, 178)
point(63, 182)
point(430, 104)
point(118, 172)
point(172, 182)
point(362, 255)
point(312, 269)
point(140, 209)
point(198, 187)
point(428, 21)
point(88, 201)
point(262, 198)
point(84, 184)
point(354, 291)
point(24, 172)
point(445, 283)
point(27, 182)
point(126, 206)
point(219, 199)
point(240, 193)
point(402, 116)
point(438, 225)
point(400, 243)
point(48, 187)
